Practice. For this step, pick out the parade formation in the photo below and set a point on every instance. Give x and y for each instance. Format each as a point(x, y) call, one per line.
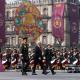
point(32, 55)
point(42, 58)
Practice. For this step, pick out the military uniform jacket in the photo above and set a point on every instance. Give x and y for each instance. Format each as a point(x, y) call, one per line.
point(48, 54)
point(37, 53)
point(24, 50)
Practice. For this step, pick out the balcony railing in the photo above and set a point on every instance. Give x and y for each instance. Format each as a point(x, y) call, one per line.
point(9, 18)
point(10, 32)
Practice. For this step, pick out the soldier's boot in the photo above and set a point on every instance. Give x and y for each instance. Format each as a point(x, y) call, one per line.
point(24, 73)
point(33, 72)
point(52, 70)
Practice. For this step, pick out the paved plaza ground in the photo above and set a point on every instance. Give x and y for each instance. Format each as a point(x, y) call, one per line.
point(13, 75)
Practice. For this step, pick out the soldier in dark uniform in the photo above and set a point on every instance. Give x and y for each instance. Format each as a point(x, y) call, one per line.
point(38, 58)
point(8, 57)
point(48, 53)
point(71, 57)
point(25, 57)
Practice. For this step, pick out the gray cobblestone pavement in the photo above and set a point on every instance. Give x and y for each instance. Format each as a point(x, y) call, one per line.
point(13, 75)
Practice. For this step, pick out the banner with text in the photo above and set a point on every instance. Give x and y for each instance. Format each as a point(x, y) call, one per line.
point(2, 22)
point(74, 24)
point(58, 21)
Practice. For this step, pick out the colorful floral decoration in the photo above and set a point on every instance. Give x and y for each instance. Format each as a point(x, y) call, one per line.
point(28, 19)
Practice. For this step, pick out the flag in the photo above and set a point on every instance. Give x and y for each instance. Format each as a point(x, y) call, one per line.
point(74, 24)
point(58, 21)
point(2, 22)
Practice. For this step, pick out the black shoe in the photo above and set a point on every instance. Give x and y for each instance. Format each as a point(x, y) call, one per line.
point(34, 74)
point(53, 73)
point(24, 73)
point(45, 73)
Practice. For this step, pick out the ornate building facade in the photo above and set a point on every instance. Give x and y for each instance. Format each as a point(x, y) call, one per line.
point(12, 39)
point(45, 7)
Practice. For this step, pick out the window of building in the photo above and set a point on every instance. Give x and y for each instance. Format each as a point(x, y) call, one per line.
point(45, 11)
point(50, 1)
point(7, 40)
point(13, 28)
point(13, 13)
point(7, 14)
point(19, 41)
point(42, 1)
point(13, 39)
point(35, 1)
point(58, 0)
point(44, 40)
point(8, 28)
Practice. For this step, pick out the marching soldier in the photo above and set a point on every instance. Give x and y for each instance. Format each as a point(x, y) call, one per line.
point(25, 57)
point(71, 57)
point(48, 53)
point(8, 57)
point(15, 58)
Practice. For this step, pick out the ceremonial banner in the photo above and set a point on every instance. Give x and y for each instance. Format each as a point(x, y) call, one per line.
point(58, 21)
point(74, 25)
point(2, 22)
